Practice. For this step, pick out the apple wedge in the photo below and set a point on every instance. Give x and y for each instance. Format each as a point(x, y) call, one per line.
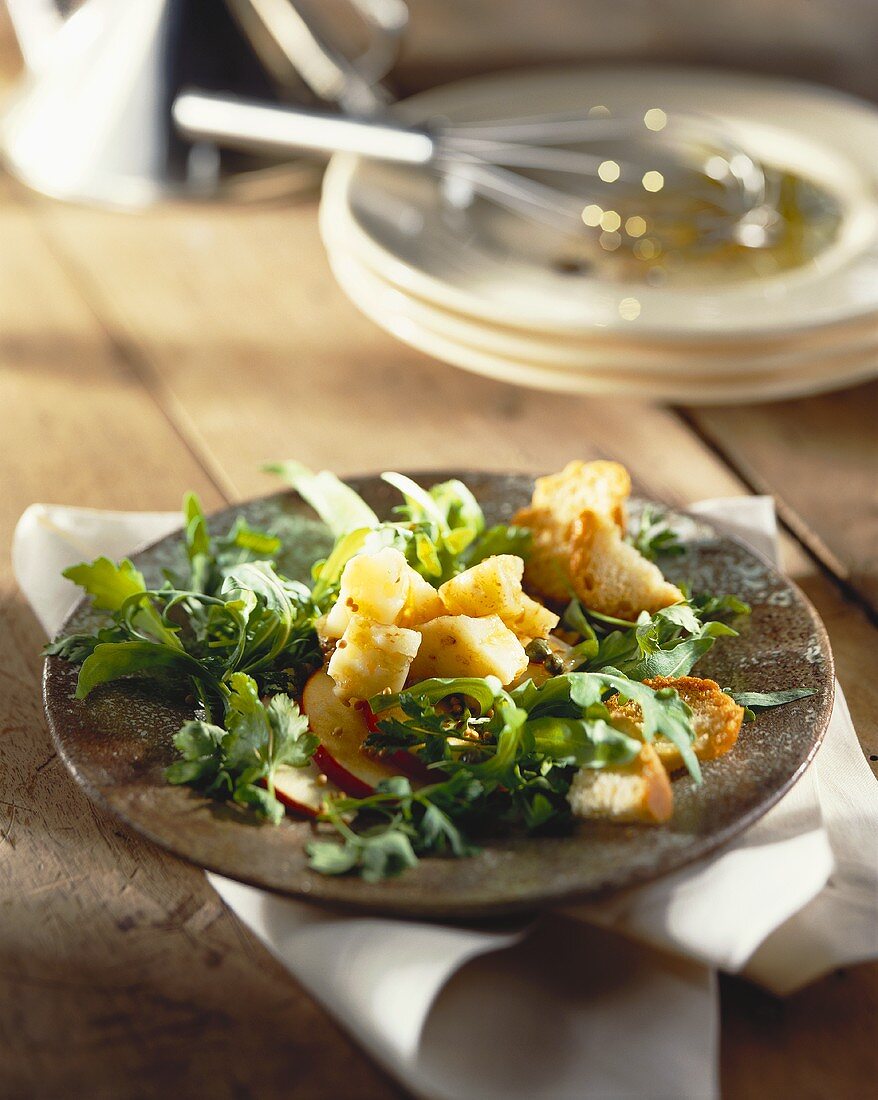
point(341, 731)
point(301, 790)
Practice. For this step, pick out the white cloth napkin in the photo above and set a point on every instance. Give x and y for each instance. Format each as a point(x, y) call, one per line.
point(566, 1006)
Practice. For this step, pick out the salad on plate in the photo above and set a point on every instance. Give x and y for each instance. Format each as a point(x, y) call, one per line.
point(439, 682)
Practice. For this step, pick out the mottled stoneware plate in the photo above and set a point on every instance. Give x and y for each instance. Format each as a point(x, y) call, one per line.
point(118, 742)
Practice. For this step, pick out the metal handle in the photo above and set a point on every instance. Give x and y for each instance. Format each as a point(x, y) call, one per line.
point(261, 127)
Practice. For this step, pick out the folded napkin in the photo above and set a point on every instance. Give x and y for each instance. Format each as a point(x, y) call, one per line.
point(591, 1000)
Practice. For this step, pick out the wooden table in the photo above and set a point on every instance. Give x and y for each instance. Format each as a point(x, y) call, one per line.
point(141, 356)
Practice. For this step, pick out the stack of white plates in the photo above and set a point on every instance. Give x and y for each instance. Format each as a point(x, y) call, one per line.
point(482, 292)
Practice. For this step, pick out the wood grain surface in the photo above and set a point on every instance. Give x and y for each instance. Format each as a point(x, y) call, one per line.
point(140, 356)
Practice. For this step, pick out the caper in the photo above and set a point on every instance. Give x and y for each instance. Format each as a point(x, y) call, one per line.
point(554, 664)
point(538, 650)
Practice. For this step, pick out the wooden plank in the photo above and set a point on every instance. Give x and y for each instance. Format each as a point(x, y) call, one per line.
point(248, 335)
point(121, 973)
point(831, 442)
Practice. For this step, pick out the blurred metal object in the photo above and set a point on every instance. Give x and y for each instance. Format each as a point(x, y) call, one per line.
point(292, 45)
point(711, 187)
point(91, 121)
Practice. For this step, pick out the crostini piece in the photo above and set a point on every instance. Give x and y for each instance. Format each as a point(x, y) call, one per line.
point(716, 718)
point(577, 520)
point(637, 792)
point(600, 486)
point(373, 585)
point(612, 577)
point(461, 645)
point(371, 657)
point(493, 587)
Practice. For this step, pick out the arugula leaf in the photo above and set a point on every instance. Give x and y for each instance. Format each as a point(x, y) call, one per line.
point(112, 660)
point(498, 539)
point(484, 690)
point(593, 744)
point(664, 715)
point(76, 647)
point(655, 536)
point(753, 701)
point(210, 559)
point(340, 508)
point(676, 661)
point(763, 699)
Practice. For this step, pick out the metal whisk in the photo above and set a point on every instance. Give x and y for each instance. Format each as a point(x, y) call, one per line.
point(520, 164)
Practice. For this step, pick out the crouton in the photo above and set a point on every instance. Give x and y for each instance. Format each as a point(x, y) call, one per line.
point(547, 571)
point(371, 657)
point(601, 487)
point(577, 521)
point(612, 577)
point(493, 587)
point(716, 718)
point(459, 645)
point(558, 502)
point(638, 792)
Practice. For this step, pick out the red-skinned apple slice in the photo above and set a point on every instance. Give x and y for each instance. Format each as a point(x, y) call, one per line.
point(301, 790)
point(341, 731)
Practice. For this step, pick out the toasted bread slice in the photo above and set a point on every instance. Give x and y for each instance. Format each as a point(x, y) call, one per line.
point(611, 576)
point(547, 571)
point(637, 792)
point(577, 520)
point(602, 487)
point(716, 718)
point(558, 502)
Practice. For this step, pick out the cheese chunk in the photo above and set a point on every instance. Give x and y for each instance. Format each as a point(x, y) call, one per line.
point(371, 657)
point(493, 587)
point(459, 645)
point(375, 585)
point(422, 603)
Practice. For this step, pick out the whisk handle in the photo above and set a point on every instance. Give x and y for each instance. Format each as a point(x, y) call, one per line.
point(262, 127)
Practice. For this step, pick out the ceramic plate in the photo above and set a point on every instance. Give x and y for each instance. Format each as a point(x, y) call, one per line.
point(587, 354)
point(118, 742)
point(396, 220)
point(814, 373)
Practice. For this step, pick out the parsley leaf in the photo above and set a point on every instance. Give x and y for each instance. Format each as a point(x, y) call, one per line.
point(240, 761)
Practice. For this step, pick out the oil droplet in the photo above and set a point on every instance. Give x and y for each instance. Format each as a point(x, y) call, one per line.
point(635, 226)
point(646, 249)
point(610, 220)
point(609, 171)
point(610, 241)
point(652, 181)
point(592, 214)
point(629, 309)
point(655, 119)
